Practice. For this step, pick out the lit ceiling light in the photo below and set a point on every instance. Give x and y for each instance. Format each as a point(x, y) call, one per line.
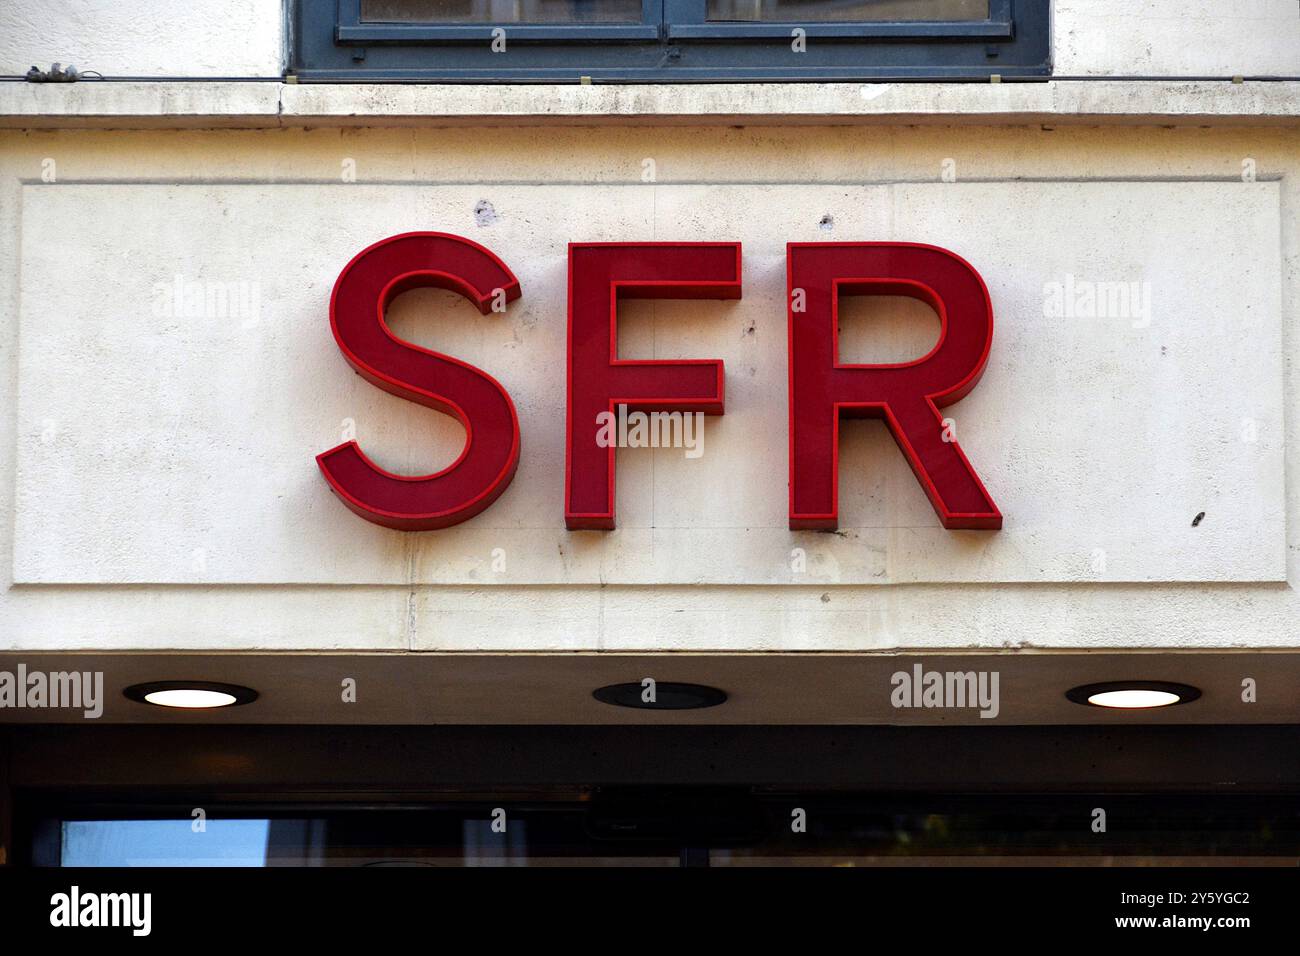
point(1133, 694)
point(668, 695)
point(190, 694)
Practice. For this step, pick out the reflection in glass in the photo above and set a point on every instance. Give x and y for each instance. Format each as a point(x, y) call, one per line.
point(164, 843)
point(501, 11)
point(846, 11)
point(690, 827)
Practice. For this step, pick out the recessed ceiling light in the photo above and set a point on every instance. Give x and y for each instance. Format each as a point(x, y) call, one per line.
point(668, 695)
point(190, 694)
point(1133, 694)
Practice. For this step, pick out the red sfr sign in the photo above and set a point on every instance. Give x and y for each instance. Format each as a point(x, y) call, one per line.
point(822, 390)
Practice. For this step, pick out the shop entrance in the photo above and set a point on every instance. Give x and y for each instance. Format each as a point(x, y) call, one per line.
point(652, 796)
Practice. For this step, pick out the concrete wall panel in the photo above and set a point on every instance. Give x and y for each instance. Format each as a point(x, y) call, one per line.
point(177, 377)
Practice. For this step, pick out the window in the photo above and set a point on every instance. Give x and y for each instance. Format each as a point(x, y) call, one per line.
point(488, 11)
point(668, 826)
point(176, 842)
point(668, 41)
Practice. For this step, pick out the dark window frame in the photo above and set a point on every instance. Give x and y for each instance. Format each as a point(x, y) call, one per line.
point(672, 43)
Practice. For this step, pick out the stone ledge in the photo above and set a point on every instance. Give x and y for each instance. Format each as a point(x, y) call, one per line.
point(253, 105)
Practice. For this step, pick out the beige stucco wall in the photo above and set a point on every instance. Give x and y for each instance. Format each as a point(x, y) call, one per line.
point(1237, 596)
point(145, 37)
point(1175, 37)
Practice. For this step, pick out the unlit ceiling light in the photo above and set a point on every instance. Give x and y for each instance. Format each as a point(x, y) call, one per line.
point(662, 695)
point(1133, 694)
point(191, 694)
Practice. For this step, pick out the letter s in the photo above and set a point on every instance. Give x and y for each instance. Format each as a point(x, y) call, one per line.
point(361, 296)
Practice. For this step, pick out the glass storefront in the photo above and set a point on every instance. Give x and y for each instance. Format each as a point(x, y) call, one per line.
point(684, 828)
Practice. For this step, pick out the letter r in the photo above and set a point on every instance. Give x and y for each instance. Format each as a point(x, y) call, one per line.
point(906, 395)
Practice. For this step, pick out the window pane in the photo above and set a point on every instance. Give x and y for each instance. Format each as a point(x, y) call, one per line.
point(164, 843)
point(502, 11)
point(572, 826)
point(846, 11)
